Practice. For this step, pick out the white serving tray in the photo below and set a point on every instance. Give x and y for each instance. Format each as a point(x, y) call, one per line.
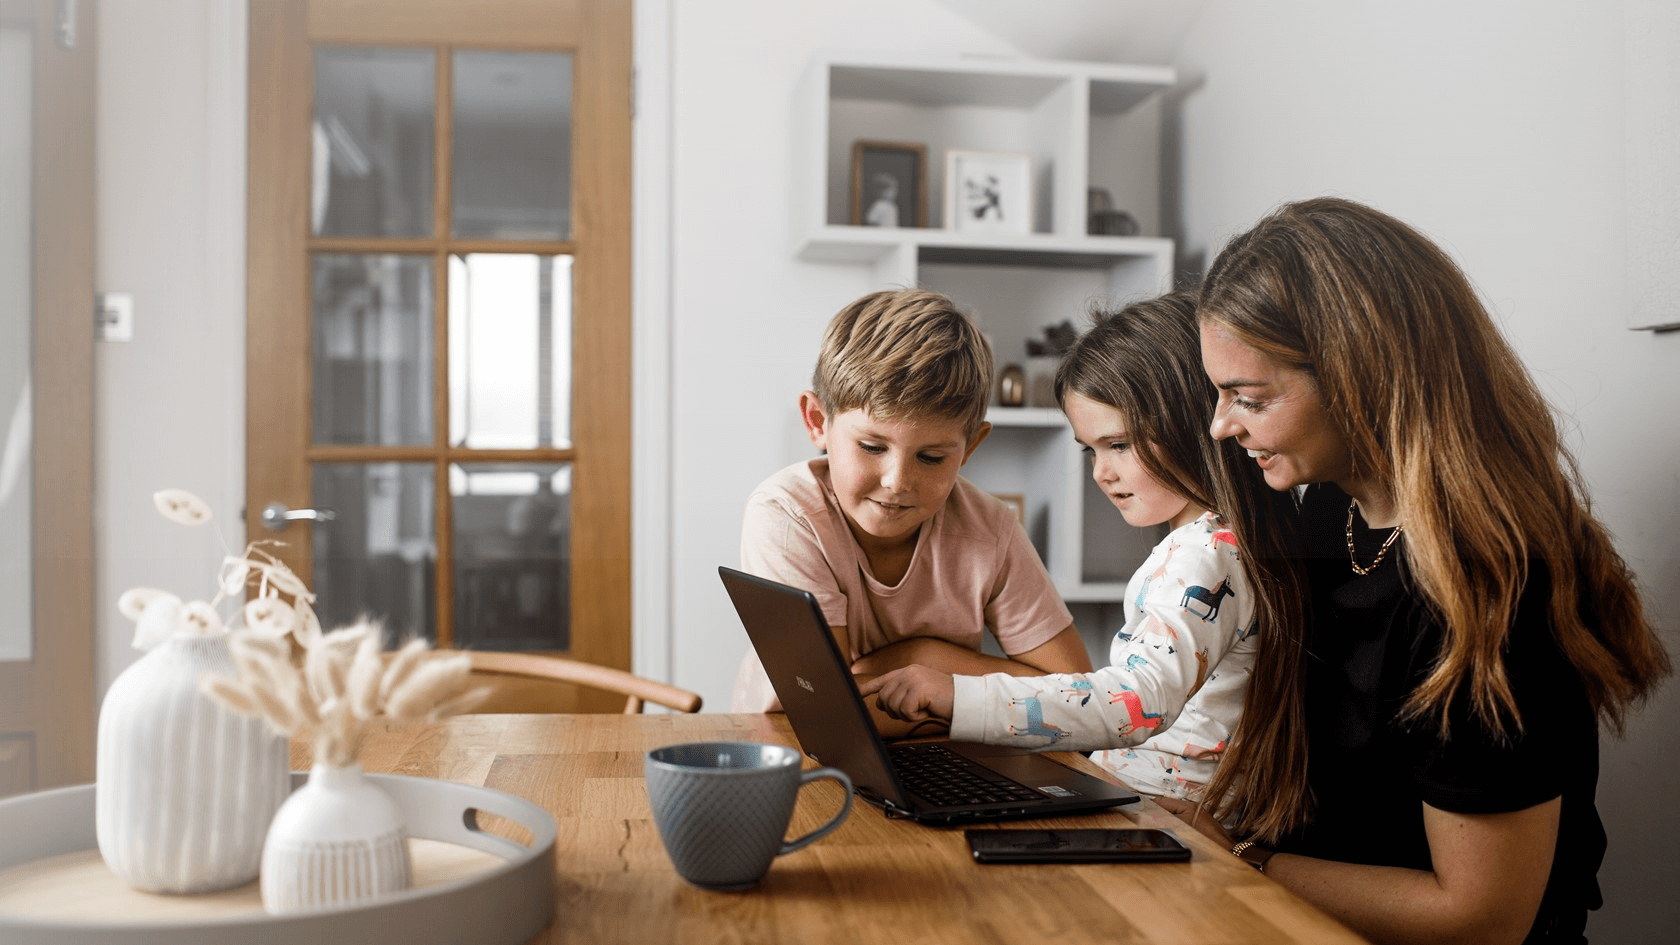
point(505, 898)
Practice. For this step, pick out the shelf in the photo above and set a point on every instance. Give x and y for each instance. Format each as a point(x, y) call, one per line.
point(869, 244)
point(997, 83)
point(1047, 417)
point(1093, 593)
point(1080, 125)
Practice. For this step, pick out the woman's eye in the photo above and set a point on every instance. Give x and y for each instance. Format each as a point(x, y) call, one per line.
point(1120, 446)
point(1243, 403)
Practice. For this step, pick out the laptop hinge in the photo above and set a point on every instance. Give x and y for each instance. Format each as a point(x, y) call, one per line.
point(892, 810)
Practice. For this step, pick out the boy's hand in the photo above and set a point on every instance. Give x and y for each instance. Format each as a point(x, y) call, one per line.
point(913, 694)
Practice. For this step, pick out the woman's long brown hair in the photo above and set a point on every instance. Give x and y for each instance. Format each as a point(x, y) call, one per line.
point(1433, 402)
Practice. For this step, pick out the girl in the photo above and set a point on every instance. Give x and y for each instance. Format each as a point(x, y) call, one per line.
point(1419, 745)
point(1134, 393)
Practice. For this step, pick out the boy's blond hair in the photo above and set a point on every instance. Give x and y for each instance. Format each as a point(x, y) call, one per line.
point(908, 354)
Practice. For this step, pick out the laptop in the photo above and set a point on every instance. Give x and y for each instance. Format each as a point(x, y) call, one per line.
point(971, 782)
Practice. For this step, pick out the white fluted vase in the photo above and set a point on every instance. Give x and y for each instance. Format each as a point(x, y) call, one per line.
point(185, 788)
point(338, 840)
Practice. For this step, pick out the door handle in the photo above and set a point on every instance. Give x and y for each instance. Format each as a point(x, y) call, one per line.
point(275, 516)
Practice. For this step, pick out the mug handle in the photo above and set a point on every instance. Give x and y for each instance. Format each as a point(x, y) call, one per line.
point(833, 774)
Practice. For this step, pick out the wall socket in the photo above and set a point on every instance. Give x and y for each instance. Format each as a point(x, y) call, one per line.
point(114, 319)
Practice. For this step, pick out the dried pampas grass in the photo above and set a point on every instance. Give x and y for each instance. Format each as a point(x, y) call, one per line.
point(340, 683)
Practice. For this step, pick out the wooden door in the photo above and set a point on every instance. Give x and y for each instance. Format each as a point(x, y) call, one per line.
point(46, 399)
point(439, 315)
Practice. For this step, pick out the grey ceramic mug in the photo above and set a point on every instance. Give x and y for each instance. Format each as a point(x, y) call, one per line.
point(723, 808)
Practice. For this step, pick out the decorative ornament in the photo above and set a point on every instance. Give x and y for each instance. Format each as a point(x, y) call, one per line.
point(339, 839)
point(185, 787)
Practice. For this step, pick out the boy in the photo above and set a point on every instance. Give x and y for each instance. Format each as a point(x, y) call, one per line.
point(909, 562)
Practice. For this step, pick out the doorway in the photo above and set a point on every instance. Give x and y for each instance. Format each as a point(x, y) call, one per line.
point(438, 328)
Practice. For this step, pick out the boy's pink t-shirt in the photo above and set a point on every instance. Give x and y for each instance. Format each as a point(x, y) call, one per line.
point(973, 568)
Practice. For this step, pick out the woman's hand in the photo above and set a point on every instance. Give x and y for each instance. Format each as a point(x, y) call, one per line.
point(1192, 814)
point(913, 693)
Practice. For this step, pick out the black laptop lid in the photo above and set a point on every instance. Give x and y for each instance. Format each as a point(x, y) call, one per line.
point(813, 681)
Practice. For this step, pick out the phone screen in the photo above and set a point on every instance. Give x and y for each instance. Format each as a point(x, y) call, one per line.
point(1133, 845)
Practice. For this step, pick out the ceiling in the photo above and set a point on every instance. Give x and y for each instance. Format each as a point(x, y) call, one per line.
point(1145, 32)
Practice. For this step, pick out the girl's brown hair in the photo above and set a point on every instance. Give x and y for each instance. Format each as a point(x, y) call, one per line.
point(1433, 402)
point(1144, 361)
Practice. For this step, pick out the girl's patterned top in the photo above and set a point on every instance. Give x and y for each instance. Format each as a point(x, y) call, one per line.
point(1160, 713)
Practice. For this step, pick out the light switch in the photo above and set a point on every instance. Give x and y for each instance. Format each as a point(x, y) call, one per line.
point(115, 321)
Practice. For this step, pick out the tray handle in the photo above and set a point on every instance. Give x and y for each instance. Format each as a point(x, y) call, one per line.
point(446, 811)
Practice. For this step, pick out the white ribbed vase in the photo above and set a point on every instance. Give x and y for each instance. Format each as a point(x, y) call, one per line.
point(185, 788)
point(338, 840)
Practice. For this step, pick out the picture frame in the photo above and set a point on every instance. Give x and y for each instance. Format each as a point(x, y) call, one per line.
point(889, 184)
point(988, 191)
point(1017, 502)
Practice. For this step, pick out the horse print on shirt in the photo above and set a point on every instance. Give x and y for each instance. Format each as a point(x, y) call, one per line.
point(1035, 720)
point(1209, 598)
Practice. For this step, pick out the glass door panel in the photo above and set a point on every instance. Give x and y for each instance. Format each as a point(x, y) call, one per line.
point(510, 351)
point(374, 124)
point(512, 147)
point(378, 555)
point(17, 304)
point(512, 553)
point(445, 425)
point(372, 341)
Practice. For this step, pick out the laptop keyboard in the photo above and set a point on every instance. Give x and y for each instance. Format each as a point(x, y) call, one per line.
point(937, 774)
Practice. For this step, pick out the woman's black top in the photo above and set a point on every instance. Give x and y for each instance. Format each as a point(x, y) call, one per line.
point(1373, 640)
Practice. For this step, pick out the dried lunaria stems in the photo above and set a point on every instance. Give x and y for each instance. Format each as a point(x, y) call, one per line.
point(279, 604)
point(329, 684)
point(341, 684)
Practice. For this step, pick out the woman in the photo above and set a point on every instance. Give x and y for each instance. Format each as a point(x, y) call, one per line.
point(1448, 622)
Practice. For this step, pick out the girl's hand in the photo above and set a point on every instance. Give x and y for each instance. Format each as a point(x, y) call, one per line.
point(913, 694)
point(1192, 814)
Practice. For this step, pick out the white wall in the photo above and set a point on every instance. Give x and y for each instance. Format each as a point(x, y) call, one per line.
point(746, 317)
point(169, 405)
point(1498, 129)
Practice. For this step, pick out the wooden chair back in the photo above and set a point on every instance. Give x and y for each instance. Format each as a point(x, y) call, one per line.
point(524, 683)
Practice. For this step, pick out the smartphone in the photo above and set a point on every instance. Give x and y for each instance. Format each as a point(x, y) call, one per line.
point(1020, 845)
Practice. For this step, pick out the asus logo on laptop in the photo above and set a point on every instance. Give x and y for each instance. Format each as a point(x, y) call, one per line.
point(805, 684)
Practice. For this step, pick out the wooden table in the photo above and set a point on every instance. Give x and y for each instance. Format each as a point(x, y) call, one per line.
point(872, 881)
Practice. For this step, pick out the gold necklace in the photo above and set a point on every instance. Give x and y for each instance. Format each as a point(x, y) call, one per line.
point(1380, 553)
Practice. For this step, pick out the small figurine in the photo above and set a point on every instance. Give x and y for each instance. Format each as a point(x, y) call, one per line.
point(1012, 386)
point(1057, 340)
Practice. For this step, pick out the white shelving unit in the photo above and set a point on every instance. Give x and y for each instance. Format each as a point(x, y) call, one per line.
point(1082, 125)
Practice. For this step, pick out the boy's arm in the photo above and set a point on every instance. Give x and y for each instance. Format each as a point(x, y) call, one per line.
point(1062, 653)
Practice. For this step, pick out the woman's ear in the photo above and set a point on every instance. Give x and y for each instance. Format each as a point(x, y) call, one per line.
point(816, 419)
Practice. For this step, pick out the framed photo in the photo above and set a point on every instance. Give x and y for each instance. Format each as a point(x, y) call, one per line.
point(1016, 501)
point(988, 190)
point(889, 184)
